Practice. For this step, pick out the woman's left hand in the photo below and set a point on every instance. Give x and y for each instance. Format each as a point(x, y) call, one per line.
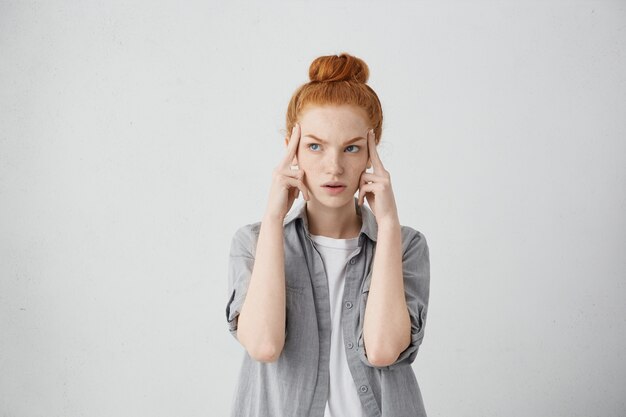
point(376, 187)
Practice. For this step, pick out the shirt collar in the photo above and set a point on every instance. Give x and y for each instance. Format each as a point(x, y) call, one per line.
point(369, 226)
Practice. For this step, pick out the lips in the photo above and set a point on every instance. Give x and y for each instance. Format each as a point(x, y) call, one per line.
point(334, 189)
point(334, 184)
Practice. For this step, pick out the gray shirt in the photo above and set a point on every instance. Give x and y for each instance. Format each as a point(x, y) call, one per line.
point(297, 384)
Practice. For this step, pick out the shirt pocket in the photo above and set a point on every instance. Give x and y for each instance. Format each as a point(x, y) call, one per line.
point(295, 284)
point(295, 299)
point(294, 309)
point(365, 289)
point(362, 303)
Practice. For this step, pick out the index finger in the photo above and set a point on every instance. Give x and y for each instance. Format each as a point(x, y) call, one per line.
point(292, 146)
point(377, 164)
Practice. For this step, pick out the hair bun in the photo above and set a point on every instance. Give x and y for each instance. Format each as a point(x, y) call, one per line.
point(344, 67)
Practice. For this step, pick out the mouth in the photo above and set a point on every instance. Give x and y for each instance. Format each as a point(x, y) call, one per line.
point(334, 184)
point(334, 189)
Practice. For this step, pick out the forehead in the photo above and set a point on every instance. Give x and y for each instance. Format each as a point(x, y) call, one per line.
point(329, 121)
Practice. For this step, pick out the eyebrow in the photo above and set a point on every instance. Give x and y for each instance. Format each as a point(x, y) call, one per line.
point(323, 141)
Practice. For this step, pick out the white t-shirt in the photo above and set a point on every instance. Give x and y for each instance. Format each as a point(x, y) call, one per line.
point(343, 398)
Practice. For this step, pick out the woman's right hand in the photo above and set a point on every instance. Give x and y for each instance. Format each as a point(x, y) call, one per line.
point(286, 182)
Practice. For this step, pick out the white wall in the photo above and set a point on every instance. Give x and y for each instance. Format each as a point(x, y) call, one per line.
point(135, 137)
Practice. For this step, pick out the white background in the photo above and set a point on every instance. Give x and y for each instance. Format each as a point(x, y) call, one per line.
point(136, 137)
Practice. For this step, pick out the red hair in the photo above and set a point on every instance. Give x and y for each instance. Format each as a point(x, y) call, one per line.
point(336, 80)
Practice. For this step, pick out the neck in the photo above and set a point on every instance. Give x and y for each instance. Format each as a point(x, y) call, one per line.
point(334, 222)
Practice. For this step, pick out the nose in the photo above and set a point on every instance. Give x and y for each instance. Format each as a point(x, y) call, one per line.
point(334, 163)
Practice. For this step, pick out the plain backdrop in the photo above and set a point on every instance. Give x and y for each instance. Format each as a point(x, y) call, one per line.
point(136, 137)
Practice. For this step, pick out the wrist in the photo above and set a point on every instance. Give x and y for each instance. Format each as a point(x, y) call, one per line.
point(270, 218)
point(388, 224)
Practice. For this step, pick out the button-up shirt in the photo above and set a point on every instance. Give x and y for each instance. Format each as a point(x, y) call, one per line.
point(297, 384)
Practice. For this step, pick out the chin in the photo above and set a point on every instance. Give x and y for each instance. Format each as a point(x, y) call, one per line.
point(335, 201)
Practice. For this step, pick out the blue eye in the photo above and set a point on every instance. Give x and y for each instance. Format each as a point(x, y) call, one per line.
point(349, 146)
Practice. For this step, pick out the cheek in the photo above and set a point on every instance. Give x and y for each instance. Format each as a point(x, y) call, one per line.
point(307, 170)
point(360, 166)
point(356, 175)
point(304, 165)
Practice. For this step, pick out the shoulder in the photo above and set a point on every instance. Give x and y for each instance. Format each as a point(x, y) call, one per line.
point(245, 238)
point(248, 230)
point(412, 240)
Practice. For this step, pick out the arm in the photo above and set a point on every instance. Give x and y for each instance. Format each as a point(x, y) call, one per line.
point(261, 326)
point(397, 298)
point(261, 323)
point(387, 325)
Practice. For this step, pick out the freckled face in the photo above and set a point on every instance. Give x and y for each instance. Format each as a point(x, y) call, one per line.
point(333, 148)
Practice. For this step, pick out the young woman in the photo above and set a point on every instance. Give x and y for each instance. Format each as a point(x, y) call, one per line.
point(329, 298)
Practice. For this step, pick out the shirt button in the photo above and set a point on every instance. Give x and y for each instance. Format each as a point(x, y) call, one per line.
point(350, 345)
point(348, 304)
point(352, 261)
point(363, 388)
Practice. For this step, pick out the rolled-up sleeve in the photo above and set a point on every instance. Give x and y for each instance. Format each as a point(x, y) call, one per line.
point(416, 277)
point(240, 264)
